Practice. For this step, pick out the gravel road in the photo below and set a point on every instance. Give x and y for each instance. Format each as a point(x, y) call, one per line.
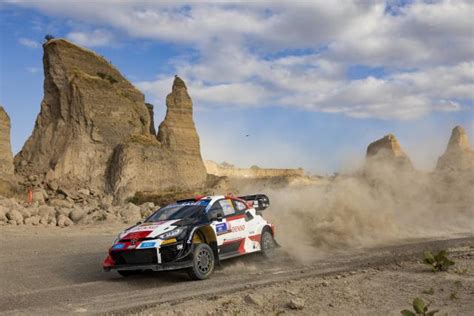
point(57, 271)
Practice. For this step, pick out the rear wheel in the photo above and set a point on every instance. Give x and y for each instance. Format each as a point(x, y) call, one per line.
point(203, 262)
point(267, 243)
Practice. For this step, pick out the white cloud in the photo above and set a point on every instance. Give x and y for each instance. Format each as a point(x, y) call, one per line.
point(28, 42)
point(92, 39)
point(296, 54)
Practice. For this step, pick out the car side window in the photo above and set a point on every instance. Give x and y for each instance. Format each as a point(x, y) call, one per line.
point(215, 209)
point(227, 207)
point(239, 206)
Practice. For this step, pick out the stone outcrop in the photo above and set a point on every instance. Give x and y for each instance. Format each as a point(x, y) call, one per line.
point(6, 157)
point(226, 170)
point(95, 131)
point(458, 156)
point(170, 161)
point(152, 118)
point(387, 152)
point(87, 110)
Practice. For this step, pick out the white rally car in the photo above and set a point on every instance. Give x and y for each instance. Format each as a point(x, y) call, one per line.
point(194, 234)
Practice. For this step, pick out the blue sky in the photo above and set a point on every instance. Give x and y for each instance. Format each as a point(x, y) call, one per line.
point(312, 83)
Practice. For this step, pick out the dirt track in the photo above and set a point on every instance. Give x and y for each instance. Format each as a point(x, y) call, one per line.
point(57, 271)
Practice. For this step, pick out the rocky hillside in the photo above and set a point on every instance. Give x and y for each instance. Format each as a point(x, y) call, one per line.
point(6, 157)
point(226, 170)
point(95, 131)
point(458, 156)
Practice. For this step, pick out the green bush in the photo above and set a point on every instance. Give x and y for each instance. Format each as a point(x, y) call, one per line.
point(420, 308)
point(438, 262)
point(107, 77)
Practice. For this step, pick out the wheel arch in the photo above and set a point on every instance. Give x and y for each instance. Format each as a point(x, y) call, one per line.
point(210, 238)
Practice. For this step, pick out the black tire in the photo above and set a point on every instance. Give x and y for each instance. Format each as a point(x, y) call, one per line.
point(126, 273)
point(267, 243)
point(203, 262)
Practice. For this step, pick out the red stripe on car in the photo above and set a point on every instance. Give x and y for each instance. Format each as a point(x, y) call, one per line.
point(233, 218)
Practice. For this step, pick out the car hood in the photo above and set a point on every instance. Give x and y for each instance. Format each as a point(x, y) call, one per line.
point(149, 229)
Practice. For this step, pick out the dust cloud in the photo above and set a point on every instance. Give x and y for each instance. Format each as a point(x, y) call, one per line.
point(370, 207)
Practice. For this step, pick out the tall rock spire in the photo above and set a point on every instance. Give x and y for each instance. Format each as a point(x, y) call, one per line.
point(458, 156)
point(6, 157)
point(388, 152)
point(171, 160)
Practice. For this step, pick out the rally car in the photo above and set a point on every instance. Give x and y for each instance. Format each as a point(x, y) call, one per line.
point(194, 234)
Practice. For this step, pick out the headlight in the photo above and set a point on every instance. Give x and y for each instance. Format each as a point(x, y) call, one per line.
point(172, 233)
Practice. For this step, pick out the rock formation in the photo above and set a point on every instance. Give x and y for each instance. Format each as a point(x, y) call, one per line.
point(387, 152)
point(87, 110)
point(6, 157)
point(226, 170)
point(458, 156)
point(152, 118)
point(170, 161)
point(95, 131)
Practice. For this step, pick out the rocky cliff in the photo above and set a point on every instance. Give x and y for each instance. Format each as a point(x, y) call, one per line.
point(387, 153)
point(458, 156)
point(224, 170)
point(94, 130)
point(172, 161)
point(6, 157)
point(87, 110)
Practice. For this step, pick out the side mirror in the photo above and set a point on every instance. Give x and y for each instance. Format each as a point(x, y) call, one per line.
point(215, 216)
point(138, 223)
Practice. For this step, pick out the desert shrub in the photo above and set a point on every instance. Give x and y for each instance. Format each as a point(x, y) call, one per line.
point(107, 77)
point(420, 308)
point(438, 262)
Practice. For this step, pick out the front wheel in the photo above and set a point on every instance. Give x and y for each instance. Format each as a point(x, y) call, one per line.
point(203, 262)
point(268, 244)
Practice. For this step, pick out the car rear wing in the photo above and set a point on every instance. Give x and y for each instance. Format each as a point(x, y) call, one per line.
point(258, 201)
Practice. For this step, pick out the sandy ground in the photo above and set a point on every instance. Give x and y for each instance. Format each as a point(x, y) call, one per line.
point(58, 271)
point(382, 290)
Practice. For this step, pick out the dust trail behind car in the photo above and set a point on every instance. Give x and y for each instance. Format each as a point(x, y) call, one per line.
point(370, 207)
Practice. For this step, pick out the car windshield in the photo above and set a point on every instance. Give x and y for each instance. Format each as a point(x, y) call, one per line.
point(177, 211)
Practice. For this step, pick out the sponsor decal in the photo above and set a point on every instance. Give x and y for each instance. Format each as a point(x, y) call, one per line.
point(118, 246)
point(221, 228)
point(147, 244)
point(238, 228)
point(148, 226)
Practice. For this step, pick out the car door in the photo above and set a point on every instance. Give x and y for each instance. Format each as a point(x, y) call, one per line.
point(231, 230)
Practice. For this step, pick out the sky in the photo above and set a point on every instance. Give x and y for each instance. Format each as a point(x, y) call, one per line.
point(311, 83)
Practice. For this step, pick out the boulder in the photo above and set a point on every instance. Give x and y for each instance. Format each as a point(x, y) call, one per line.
point(84, 191)
point(39, 195)
point(64, 221)
point(46, 211)
point(459, 155)
point(15, 216)
point(87, 110)
point(61, 203)
point(3, 214)
point(77, 214)
point(296, 303)
point(131, 213)
point(34, 220)
point(172, 160)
